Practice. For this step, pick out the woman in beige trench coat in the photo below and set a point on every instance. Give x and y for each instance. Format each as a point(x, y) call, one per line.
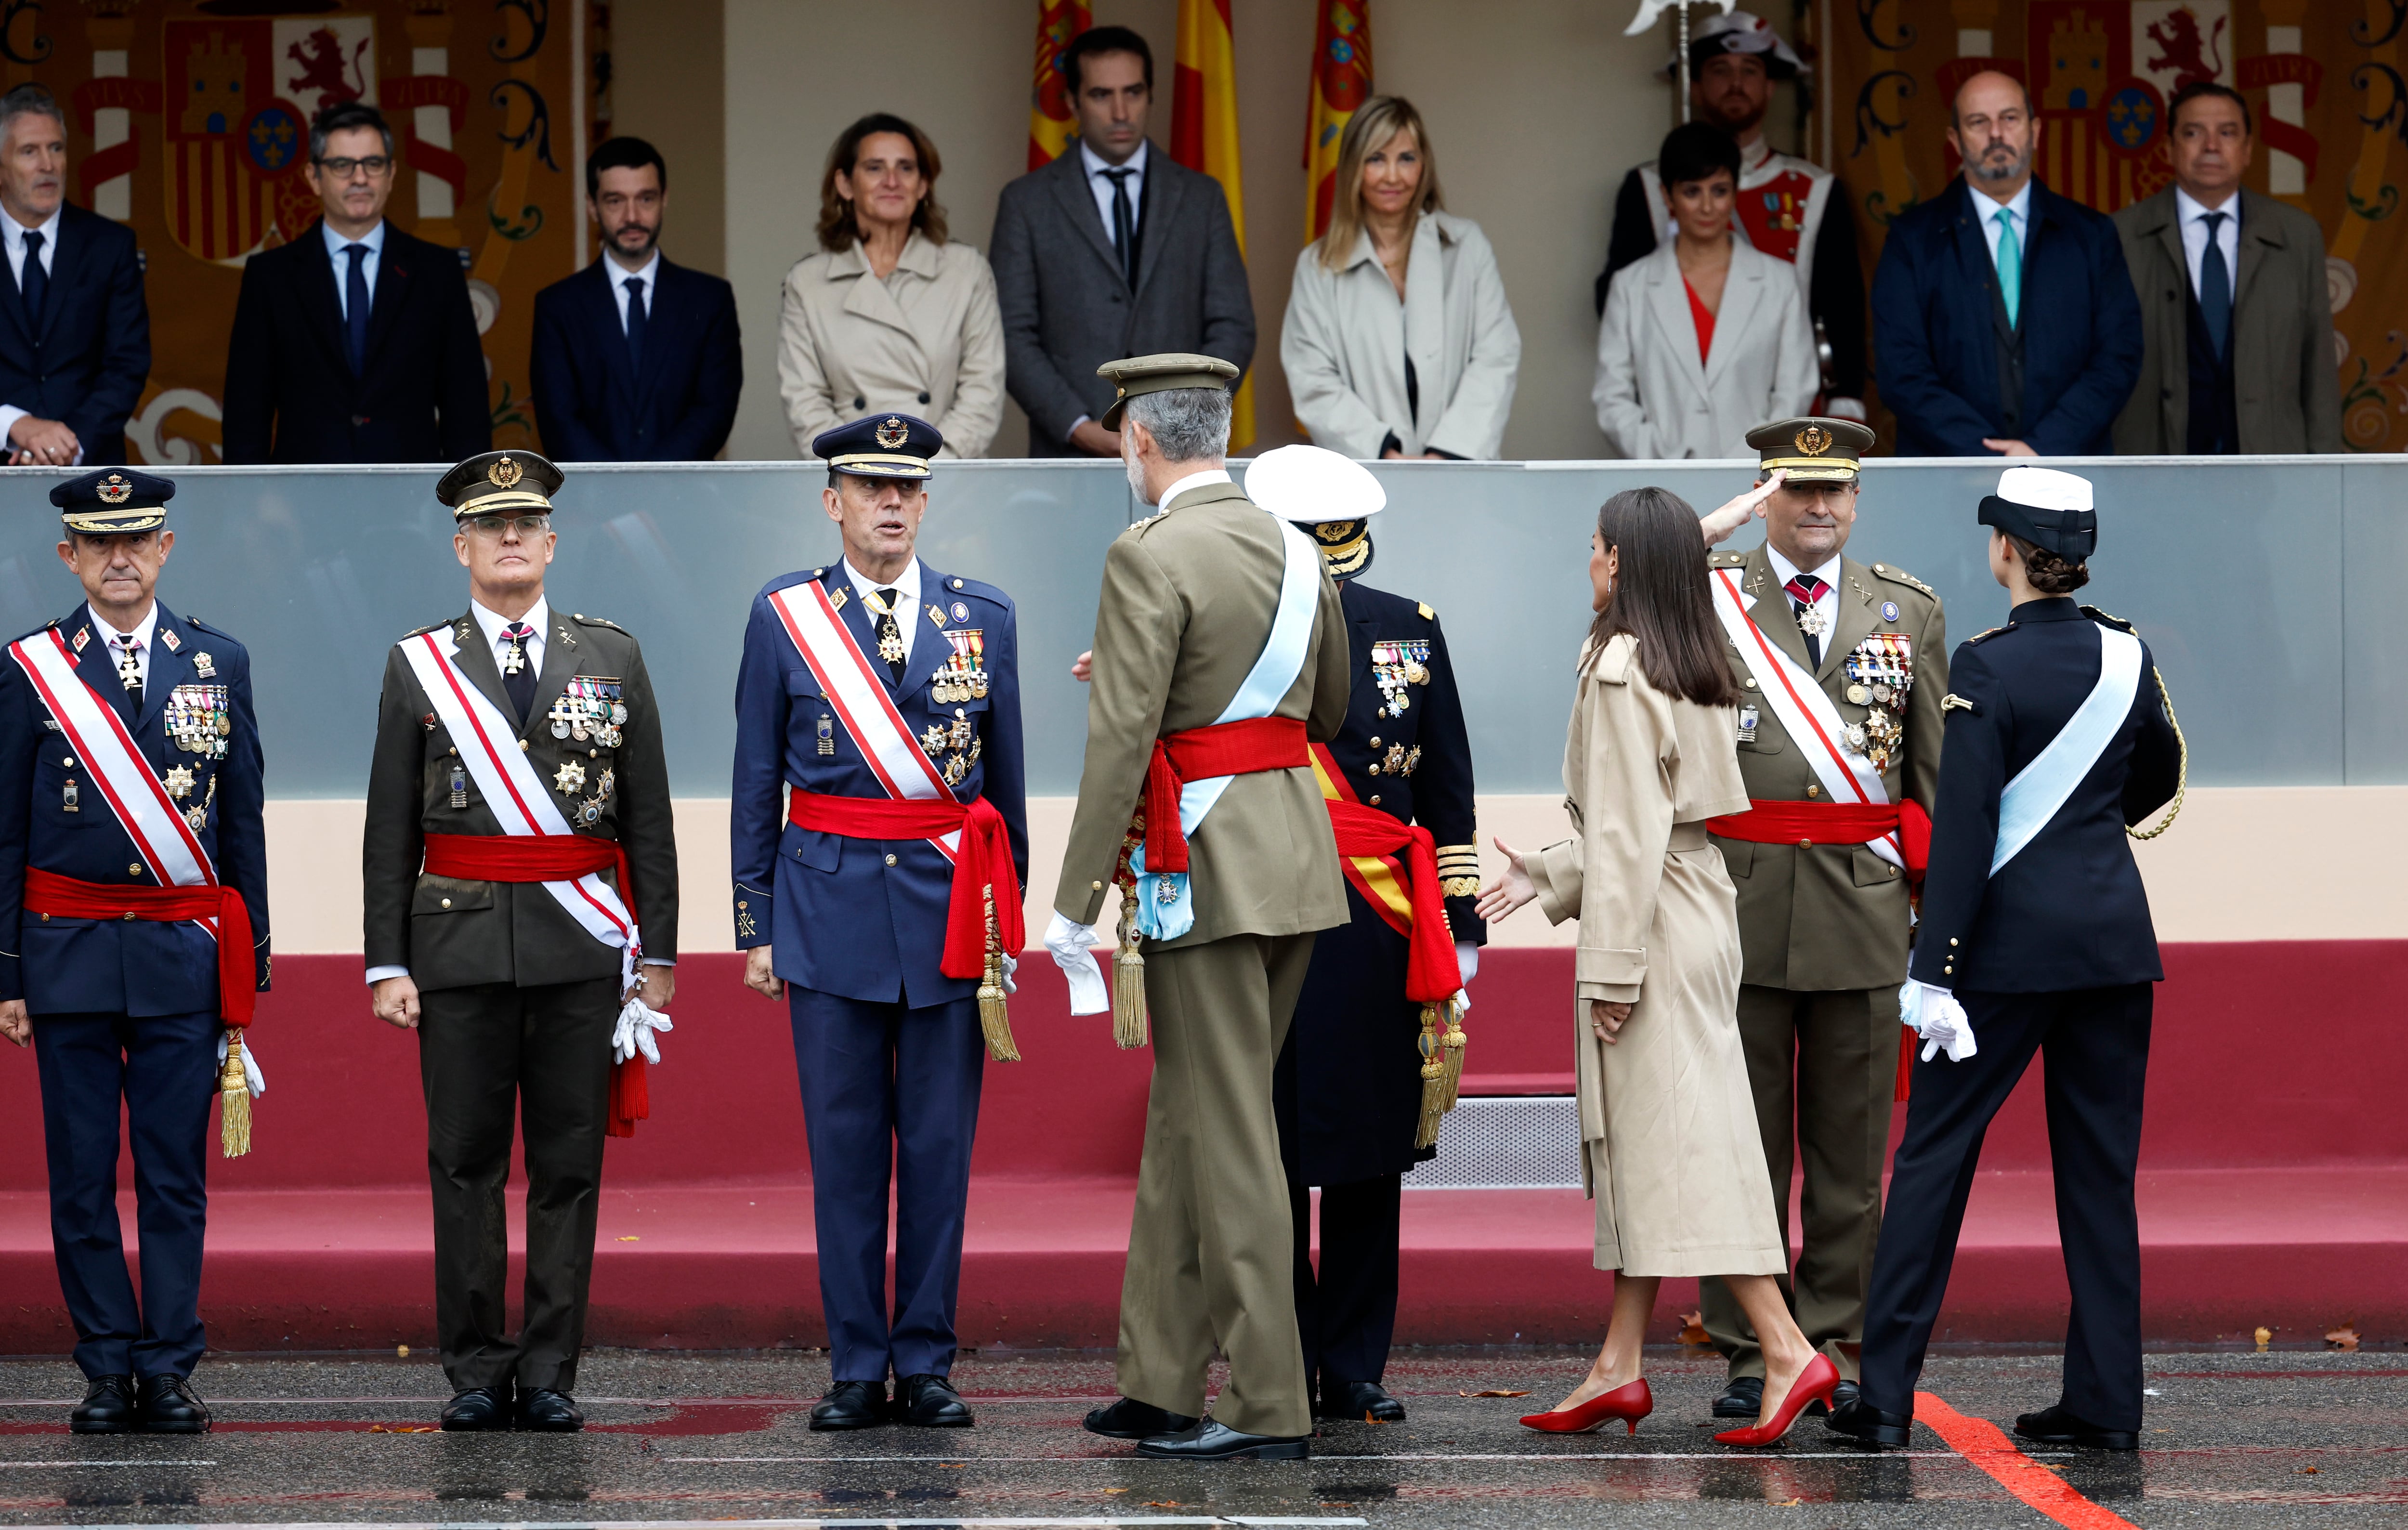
point(1670, 1147)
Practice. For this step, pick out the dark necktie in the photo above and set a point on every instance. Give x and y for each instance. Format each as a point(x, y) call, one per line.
point(1803, 592)
point(356, 307)
point(890, 635)
point(518, 675)
point(129, 670)
point(635, 321)
point(36, 282)
point(1124, 222)
point(2215, 289)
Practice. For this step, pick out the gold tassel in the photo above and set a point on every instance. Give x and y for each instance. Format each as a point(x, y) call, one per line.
point(233, 1099)
point(1456, 1043)
point(1433, 1079)
point(1128, 979)
point(993, 1018)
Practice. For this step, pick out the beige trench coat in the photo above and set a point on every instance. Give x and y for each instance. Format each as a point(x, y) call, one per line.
point(1671, 1149)
point(926, 341)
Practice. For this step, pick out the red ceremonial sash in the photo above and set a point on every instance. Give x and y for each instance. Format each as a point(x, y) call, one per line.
point(1404, 893)
point(1243, 747)
point(983, 861)
point(47, 893)
point(1806, 824)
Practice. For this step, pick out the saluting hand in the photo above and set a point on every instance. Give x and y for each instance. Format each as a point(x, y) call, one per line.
point(395, 1002)
point(1509, 892)
point(1741, 508)
point(14, 1023)
point(761, 974)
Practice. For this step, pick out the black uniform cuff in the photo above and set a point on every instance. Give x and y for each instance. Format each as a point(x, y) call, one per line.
point(752, 917)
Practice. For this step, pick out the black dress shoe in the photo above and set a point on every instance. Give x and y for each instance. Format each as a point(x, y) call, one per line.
point(1862, 1421)
point(1129, 1419)
point(169, 1407)
point(1208, 1440)
point(930, 1402)
point(108, 1408)
point(2056, 1426)
point(1366, 1400)
point(1743, 1399)
point(851, 1404)
point(546, 1411)
point(479, 1408)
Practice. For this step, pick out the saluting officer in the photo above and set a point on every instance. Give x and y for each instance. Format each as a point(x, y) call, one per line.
point(2036, 938)
point(1842, 667)
point(882, 899)
point(518, 822)
point(134, 894)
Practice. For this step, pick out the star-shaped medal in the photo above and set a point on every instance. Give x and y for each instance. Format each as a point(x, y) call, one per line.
point(179, 781)
point(570, 780)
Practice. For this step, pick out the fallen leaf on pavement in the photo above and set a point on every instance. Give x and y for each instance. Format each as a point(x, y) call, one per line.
point(2265, 1337)
point(2307, 1471)
point(1492, 1391)
point(2343, 1337)
point(1693, 1329)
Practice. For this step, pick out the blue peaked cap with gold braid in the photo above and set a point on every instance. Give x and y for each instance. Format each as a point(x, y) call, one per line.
point(880, 446)
point(113, 501)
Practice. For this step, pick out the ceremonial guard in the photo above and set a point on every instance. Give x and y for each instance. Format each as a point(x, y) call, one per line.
point(518, 826)
point(881, 897)
point(1842, 667)
point(134, 905)
point(1377, 1047)
point(2036, 938)
point(1221, 653)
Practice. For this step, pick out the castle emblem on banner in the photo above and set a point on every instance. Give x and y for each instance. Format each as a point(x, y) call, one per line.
point(2101, 74)
point(235, 118)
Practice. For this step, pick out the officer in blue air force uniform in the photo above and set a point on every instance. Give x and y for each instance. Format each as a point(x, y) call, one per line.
point(851, 928)
point(2035, 939)
point(124, 1013)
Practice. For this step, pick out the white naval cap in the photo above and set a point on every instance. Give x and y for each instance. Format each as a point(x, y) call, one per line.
point(1312, 485)
point(2045, 488)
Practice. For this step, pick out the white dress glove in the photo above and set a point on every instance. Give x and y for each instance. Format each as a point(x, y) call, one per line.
point(1467, 962)
point(1939, 1018)
point(252, 1078)
point(1070, 945)
point(638, 1023)
point(1010, 967)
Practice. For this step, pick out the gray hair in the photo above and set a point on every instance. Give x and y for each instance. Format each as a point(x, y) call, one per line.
point(1187, 424)
point(30, 100)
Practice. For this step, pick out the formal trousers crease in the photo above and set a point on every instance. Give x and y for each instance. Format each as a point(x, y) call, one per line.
point(890, 1097)
point(1346, 1307)
point(489, 1053)
point(2096, 1041)
point(1823, 1067)
point(160, 1073)
point(1211, 1247)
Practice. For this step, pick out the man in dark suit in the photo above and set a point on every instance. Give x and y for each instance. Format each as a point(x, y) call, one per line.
point(1111, 251)
point(2006, 319)
point(355, 342)
point(75, 345)
point(636, 360)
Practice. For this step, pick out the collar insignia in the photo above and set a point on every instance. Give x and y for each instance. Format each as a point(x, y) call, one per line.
point(167, 635)
point(83, 636)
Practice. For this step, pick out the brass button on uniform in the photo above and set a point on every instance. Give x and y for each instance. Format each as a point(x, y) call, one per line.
point(447, 903)
point(890, 860)
point(1814, 791)
point(133, 870)
point(1375, 799)
point(522, 744)
point(1805, 844)
point(1097, 886)
point(1751, 683)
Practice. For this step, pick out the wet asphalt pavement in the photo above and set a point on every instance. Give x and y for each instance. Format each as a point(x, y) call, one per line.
point(2272, 1440)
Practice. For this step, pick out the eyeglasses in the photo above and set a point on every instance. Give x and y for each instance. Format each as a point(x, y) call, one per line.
point(341, 166)
point(494, 526)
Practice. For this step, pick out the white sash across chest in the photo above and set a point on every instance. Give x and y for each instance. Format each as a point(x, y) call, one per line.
point(2043, 786)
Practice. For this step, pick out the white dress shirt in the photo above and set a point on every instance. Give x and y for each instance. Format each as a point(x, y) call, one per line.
point(492, 624)
point(2018, 208)
point(1101, 185)
point(144, 631)
point(1193, 480)
point(620, 275)
point(374, 239)
point(1827, 603)
point(907, 600)
point(12, 237)
point(2192, 214)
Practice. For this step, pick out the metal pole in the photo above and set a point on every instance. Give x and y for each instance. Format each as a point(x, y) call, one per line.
point(1684, 60)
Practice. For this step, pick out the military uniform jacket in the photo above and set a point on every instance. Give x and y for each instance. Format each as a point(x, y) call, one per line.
point(1186, 607)
point(1834, 916)
point(59, 965)
point(451, 932)
point(2068, 910)
point(864, 919)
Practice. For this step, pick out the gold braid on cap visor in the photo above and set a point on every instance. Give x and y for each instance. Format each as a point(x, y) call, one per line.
point(114, 521)
point(501, 499)
point(1345, 546)
point(1821, 467)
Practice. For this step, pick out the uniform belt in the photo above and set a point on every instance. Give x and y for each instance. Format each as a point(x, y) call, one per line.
point(528, 858)
point(1243, 747)
point(984, 862)
point(1806, 824)
point(47, 893)
point(1431, 970)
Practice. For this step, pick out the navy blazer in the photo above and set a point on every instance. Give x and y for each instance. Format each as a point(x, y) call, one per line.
point(591, 406)
point(84, 362)
point(1936, 353)
point(864, 919)
point(2069, 911)
point(124, 967)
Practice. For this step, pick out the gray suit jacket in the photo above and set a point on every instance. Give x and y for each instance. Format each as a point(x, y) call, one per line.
point(1067, 309)
point(2285, 381)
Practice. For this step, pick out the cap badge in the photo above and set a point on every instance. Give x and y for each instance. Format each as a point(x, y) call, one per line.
point(893, 433)
point(114, 490)
point(1813, 440)
point(504, 473)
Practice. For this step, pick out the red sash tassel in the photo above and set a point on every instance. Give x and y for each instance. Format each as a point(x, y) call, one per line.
point(1431, 974)
point(64, 897)
point(1241, 748)
point(984, 862)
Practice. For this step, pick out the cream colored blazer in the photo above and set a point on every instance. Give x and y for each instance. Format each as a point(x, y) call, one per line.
point(926, 341)
point(1656, 400)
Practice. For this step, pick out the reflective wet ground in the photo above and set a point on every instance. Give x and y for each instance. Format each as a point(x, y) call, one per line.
point(2269, 1440)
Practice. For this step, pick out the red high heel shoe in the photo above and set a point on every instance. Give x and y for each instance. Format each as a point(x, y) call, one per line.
point(1630, 1403)
point(1813, 1384)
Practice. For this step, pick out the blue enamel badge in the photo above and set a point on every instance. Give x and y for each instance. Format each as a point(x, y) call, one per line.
point(1889, 611)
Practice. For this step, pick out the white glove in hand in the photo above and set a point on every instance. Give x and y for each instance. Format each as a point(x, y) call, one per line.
point(1011, 967)
point(637, 1025)
point(1070, 943)
point(1939, 1018)
point(1467, 961)
point(252, 1078)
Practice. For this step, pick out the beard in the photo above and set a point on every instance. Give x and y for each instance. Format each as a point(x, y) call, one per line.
point(1991, 167)
point(1734, 113)
point(1136, 472)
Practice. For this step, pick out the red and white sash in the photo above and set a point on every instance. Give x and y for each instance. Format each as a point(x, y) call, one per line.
point(860, 700)
point(98, 738)
point(514, 791)
point(1806, 713)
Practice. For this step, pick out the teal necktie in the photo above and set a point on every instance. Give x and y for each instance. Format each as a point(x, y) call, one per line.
point(2011, 265)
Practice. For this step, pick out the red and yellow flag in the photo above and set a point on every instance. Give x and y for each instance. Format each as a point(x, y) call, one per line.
point(1342, 81)
point(1204, 137)
point(1052, 120)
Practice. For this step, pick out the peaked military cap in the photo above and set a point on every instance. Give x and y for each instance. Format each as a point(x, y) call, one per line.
point(1159, 374)
point(1331, 496)
point(490, 482)
point(113, 500)
point(2048, 507)
point(880, 446)
point(1812, 448)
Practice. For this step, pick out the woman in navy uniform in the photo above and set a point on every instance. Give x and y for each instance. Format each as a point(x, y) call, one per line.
point(2035, 939)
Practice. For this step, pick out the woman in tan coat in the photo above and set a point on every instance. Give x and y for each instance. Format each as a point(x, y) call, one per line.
point(889, 315)
point(1670, 1147)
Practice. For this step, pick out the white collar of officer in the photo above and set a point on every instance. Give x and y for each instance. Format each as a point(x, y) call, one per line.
point(1193, 480)
point(492, 622)
point(143, 630)
point(1783, 571)
point(906, 585)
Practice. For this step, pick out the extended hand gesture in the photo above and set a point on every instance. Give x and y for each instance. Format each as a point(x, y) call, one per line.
point(1509, 892)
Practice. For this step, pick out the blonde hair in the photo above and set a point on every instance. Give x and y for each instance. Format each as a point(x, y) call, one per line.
point(1374, 122)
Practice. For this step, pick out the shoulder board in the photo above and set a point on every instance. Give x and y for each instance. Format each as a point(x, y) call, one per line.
point(956, 585)
point(212, 630)
point(1985, 637)
point(421, 632)
point(1725, 559)
point(1899, 576)
point(1428, 615)
point(2095, 614)
point(596, 621)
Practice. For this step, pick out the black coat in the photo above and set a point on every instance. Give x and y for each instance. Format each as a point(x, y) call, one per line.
point(1348, 1087)
point(85, 363)
point(591, 406)
point(290, 395)
point(2068, 910)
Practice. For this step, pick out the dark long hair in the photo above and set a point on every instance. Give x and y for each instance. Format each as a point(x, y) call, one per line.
point(838, 228)
point(1661, 597)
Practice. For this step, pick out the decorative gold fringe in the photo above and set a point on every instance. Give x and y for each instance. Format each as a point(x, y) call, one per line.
point(2181, 769)
point(1456, 1043)
point(1433, 1079)
point(993, 1018)
point(233, 1099)
point(1128, 979)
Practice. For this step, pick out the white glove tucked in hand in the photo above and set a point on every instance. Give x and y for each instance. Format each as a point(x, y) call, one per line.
point(637, 1025)
point(252, 1078)
point(1070, 945)
point(1939, 1018)
point(1011, 970)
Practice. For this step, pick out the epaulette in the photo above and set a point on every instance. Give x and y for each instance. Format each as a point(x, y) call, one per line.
point(1725, 559)
point(1428, 615)
point(2095, 614)
point(192, 621)
point(956, 585)
point(1984, 636)
point(1899, 576)
point(598, 622)
point(407, 636)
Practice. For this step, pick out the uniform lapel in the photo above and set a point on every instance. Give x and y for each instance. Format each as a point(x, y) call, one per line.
point(855, 615)
point(1854, 621)
point(1366, 625)
point(1771, 612)
point(560, 656)
point(92, 664)
point(930, 645)
point(474, 657)
point(169, 666)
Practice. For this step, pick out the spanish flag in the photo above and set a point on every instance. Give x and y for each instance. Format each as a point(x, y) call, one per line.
point(1342, 81)
point(1053, 122)
point(1204, 137)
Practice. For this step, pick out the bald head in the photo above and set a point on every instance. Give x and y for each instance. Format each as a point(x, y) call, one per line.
point(1992, 128)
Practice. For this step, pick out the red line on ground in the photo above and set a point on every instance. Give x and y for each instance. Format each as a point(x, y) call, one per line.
point(1987, 1446)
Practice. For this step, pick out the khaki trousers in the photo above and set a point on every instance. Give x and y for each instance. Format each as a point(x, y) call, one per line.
point(1823, 1067)
point(1210, 1247)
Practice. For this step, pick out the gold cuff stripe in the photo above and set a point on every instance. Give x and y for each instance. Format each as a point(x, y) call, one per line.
point(1460, 887)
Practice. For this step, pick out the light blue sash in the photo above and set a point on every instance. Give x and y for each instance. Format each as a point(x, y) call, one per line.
point(2042, 787)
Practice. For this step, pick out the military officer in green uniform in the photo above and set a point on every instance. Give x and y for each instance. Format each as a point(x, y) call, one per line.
point(1842, 666)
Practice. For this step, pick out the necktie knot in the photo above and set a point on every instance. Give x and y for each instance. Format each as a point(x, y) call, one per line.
point(1806, 588)
point(33, 241)
point(2214, 221)
point(634, 291)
